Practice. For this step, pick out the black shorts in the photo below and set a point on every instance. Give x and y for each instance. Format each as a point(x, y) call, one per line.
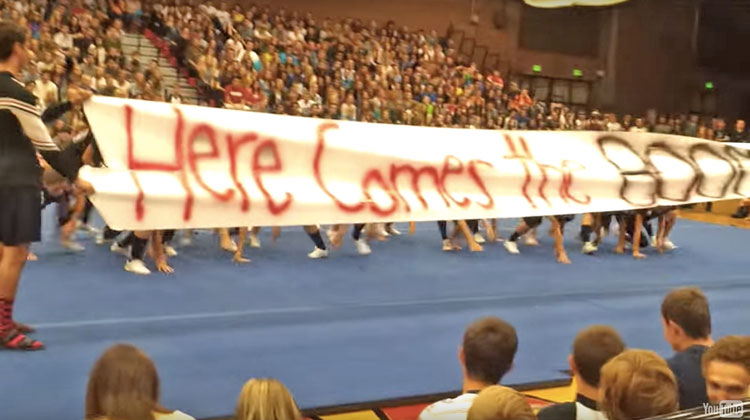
point(20, 215)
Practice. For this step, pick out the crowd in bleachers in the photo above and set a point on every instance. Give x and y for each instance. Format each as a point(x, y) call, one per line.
point(280, 61)
point(612, 381)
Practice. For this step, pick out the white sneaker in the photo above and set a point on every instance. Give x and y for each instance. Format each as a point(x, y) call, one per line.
point(254, 241)
point(380, 231)
point(653, 240)
point(186, 241)
point(100, 238)
point(363, 248)
point(530, 240)
point(478, 238)
point(447, 245)
point(87, 228)
point(392, 230)
point(669, 245)
point(171, 252)
point(589, 248)
point(512, 247)
point(137, 267)
point(117, 249)
point(73, 246)
point(318, 253)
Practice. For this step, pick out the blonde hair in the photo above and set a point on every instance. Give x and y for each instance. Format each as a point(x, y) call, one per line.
point(500, 403)
point(637, 384)
point(266, 399)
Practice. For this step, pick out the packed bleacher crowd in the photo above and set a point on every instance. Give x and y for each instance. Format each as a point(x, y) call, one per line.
point(280, 61)
point(613, 382)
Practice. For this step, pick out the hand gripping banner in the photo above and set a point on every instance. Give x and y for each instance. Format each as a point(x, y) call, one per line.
point(177, 166)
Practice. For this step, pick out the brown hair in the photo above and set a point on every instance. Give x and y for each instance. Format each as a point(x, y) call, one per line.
point(266, 399)
point(592, 348)
point(637, 384)
point(123, 385)
point(10, 35)
point(730, 349)
point(500, 403)
point(489, 347)
point(688, 308)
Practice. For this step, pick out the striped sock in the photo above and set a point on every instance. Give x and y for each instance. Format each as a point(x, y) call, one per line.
point(6, 315)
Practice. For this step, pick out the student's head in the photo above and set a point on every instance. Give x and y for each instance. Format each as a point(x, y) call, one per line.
point(123, 385)
point(266, 399)
point(500, 403)
point(726, 367)
point(685, 317)
point(637, 384)
point(592, 348)
point(13, 51)
point(488, 349)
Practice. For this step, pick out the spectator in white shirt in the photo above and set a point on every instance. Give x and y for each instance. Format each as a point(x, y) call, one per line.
point(639, 126)
point(46, 90)
point(486, 355)
point(64, 39)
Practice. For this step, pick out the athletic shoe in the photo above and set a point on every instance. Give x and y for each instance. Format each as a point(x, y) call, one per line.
point(447, 245)
point(741, 213)
point(137, 267)
point(73, 246)
point(100, 238)
point(530, 240)
point(318, 253)
point(254, 241)
point(512, 247)
point(589, 248)
point(669, 245)
point(186, 241)
point(363, 248)
point(392, 230)
point(170, 251)
point(87, 228)
point(117, 249)
point(478, 238)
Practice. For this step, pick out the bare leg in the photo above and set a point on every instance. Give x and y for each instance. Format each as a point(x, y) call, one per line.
point(560, 254)
point(227, 244)
point(464, 228)
point(275, 232)
point(238, 254)
point(637, 228)
point(491, 232)
point(620, 249)
point(12, 261)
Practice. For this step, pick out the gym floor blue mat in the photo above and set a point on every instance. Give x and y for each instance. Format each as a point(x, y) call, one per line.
point(347, 329)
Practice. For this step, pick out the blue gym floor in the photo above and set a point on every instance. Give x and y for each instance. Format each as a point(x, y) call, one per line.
point(347, 329)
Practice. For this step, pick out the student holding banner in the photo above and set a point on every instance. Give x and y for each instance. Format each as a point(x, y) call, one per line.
point(24, 133)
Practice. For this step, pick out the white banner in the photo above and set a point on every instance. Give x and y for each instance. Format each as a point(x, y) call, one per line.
point(569, 3)
point(177, 166)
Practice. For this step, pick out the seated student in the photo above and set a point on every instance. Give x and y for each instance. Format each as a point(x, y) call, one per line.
point(686, 320)
point(726, 367)
point(266, 399)
point(500, 403)
point(637, 384)
point(592, 348)
point(486, 355)
point(124, 385)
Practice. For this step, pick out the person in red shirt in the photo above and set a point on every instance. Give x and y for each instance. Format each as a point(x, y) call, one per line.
point(235, 95)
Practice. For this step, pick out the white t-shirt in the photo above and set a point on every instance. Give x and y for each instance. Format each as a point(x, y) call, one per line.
point(175, 415)
point(449, 409)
